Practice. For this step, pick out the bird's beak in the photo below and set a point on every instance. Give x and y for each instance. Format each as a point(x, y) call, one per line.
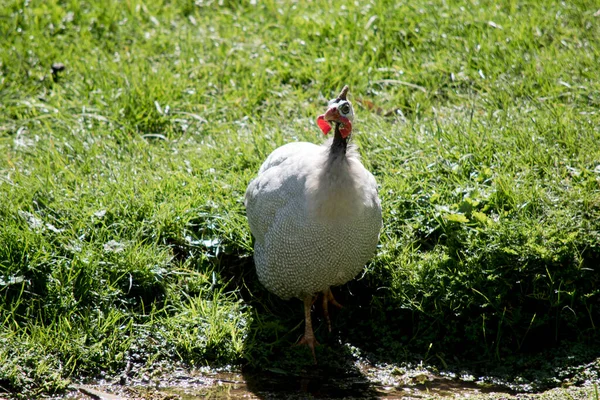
point(333, 115)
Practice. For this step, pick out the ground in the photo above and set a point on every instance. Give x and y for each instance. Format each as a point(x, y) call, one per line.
point(129, 131)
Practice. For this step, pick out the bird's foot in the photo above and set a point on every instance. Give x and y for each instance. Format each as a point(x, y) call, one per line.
point(328, 298)
point(311, 342)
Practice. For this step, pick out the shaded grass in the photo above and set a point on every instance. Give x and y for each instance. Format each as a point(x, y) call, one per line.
point(122, 178)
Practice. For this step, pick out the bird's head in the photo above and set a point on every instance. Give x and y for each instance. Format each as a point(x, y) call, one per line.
point(339, 114)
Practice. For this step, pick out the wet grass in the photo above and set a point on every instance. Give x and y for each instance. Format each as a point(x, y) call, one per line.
point(123, 236)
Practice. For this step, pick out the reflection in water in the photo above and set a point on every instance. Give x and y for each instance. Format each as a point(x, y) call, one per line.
point(416, 385)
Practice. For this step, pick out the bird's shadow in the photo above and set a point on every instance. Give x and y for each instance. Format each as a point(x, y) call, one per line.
point(274, 365)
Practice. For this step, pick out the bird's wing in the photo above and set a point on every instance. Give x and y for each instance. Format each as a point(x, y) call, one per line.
point(281, 178)
point(285, 153)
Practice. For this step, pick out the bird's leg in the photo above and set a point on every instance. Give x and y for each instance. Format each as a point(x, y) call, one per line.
point(328, 298)
point(309, 336)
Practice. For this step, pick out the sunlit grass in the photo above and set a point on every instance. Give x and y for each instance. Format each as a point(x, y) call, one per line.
point(123, 234)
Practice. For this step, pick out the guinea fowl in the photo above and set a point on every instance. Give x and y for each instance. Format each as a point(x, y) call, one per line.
point(315, 215)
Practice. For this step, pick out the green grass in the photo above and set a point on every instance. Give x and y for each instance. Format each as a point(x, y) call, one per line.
point(123, 235)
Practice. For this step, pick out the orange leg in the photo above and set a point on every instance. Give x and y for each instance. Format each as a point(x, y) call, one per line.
point(328, 298)
point(309, 336)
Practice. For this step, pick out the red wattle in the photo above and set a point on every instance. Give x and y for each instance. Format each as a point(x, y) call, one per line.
point(346, 127)
point(324, 125)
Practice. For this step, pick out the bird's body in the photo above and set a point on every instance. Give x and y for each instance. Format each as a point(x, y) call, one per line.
point(315, 216)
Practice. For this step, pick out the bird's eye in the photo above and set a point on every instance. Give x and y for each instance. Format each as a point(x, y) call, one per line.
point(345, 108)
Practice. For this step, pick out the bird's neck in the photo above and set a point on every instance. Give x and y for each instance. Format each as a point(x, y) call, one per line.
point(337, 194)
point(339, 144)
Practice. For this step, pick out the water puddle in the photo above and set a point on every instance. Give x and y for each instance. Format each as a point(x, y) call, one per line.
point(355, 378)
point(370, 382)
